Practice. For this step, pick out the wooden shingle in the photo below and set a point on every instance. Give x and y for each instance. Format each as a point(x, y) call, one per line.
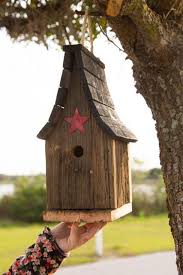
point(96, 91)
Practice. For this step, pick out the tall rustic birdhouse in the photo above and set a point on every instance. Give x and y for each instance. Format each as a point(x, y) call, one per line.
point(87, 158)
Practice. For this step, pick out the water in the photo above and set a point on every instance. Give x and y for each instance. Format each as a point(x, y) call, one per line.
point(6, 189)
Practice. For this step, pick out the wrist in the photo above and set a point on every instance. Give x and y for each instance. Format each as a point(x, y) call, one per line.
point(58, 242)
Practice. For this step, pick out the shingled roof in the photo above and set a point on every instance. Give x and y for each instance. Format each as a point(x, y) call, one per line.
point(96, 90)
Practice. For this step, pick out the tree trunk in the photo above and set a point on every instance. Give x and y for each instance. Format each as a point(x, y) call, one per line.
point(151, 33)
point(154, 43)
point(162, 90)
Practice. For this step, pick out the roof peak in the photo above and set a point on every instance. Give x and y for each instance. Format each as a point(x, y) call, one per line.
point(95, 88)
point(79, 47)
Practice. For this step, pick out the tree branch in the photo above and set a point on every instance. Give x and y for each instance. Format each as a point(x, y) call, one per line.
point(91, 13)
point(163, 7)
point(109, 39)
point(40, 21)
point(148, 23)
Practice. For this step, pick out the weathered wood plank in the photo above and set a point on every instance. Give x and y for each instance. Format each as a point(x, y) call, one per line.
point(118, 130)
point(88, 216)
point(72, 173)
point(96, 83)
point(91, 66)
point(99, 178)
point(99, 161)
point(55, 114)
point(78, 48)
point(122, 173)
point(68, 61)
point(89, 181)
point(46, 131)
point(65, 79)
point(101, 109)
point(114, 175)
point(62, 93)
point(95, 89)
point(110, 122)
point(129, 174)
point(51, 184)
point(94, 94)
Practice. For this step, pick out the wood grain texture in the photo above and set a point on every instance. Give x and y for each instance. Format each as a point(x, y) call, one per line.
point(130, 174)
point(78, 48)
point(89, 64)
point(71, 174)
point(103, 108)
point(65, 79)
point(123, 173)
point(55, 114)
point(68, 61)
point(62, 93)
point(98, 179)
point(86, 182)
point(88, 216)
point(46, 131)
point(92, 181)
point(96, 91)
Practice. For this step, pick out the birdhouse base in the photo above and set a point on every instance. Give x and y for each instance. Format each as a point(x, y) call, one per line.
point(88, 216)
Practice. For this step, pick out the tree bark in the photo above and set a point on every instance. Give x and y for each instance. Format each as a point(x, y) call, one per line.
point(154, 43)
point(151, 33)
point(161, 87)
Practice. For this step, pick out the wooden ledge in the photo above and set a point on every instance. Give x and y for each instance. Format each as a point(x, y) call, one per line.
point(88, 216)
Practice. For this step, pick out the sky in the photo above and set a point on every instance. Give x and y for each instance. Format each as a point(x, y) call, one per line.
point(30, 76)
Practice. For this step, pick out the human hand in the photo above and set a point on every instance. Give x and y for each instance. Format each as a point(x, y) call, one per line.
point(70, 235)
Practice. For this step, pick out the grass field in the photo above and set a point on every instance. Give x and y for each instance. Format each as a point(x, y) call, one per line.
point(128, 236)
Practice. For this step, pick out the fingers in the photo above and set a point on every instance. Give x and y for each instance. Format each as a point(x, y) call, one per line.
point(97, 226)
point(89, 230)
point(92, 227)
point(100, 224)
point(85, 227)
point(69, 224)
point(103, 224)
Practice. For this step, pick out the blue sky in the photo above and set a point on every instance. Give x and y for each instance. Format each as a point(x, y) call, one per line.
point(30, 76)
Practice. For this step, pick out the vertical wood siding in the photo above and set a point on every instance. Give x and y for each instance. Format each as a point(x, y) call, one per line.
point(98, 179)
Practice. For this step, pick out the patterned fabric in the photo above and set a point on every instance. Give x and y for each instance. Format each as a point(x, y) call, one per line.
point(43, 257)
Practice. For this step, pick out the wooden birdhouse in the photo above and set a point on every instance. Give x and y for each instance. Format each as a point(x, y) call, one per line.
point(87, 158)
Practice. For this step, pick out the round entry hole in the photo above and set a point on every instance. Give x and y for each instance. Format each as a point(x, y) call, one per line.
point(78, 151)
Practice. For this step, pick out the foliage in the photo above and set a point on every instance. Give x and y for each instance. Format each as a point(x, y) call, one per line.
point(28, 201)
point(5, 179)
point(41, 21)
point(152, 202)
point(44, 20)
point(127, 236)
point(154, 173)
point(139, 176)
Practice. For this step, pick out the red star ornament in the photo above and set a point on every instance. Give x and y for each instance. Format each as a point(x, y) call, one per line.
point(76, 122)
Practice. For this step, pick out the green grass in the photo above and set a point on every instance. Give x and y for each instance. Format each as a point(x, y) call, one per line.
point(128, 236)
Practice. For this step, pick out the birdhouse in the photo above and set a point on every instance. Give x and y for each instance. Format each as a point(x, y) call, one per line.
point(87, 157)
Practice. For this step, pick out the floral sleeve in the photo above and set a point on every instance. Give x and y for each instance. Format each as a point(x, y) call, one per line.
point(43, 257)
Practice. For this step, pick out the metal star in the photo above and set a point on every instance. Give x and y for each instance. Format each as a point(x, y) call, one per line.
point(76, 122)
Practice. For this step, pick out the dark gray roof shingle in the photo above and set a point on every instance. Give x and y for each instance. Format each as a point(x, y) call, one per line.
point(96, 90)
